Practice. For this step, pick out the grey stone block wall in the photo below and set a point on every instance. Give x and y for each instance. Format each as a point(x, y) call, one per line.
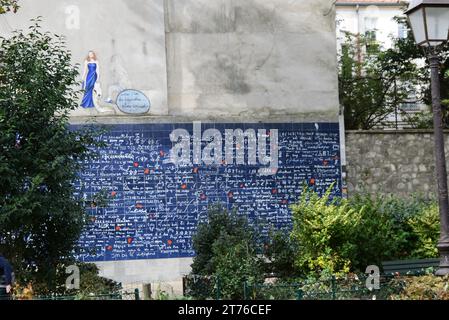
point(386, 162)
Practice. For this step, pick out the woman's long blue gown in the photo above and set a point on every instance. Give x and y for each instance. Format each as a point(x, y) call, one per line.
point(88, 99)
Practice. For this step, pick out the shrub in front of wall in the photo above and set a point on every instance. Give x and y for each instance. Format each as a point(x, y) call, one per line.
point(324, 232)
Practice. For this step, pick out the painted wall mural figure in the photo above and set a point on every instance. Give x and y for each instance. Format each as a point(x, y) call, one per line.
point(91, 78)
point(91, 84)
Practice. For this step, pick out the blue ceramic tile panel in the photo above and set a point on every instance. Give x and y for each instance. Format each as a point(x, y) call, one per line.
point(155, 206)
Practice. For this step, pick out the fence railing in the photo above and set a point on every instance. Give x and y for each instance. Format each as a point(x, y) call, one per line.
point(353, 287)
point(125, 295)
point(333, 288)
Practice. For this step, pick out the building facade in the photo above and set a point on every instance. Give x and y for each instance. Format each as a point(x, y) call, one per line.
point(373, 18)
point(377, 20)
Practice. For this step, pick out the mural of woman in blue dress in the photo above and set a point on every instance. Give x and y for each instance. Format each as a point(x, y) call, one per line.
point(91, 78)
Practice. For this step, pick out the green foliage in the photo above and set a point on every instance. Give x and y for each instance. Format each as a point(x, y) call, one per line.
point(161, 294)
point(426, 227)
point(330, 237)
point(374, 82)
point(385, 232)
point(280, 253)
point(221, 223)
point(421, 120)
point(337, 236)
point(323, 230)
point(225, 249)
point(374, 234)
point(235, 265)
point(40, 218)
point(91, 284)
point(8, 5)
point(279, 289)
point(428, 287)
point(412, 222)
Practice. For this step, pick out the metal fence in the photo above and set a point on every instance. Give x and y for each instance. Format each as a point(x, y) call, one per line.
point(333, 288)
point(125, 295)
point(353, 287)
point(202, 287)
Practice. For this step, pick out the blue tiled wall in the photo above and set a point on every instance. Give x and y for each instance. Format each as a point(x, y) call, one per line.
point(154, 206)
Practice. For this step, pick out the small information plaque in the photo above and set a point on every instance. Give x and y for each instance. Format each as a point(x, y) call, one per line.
point(133, 102)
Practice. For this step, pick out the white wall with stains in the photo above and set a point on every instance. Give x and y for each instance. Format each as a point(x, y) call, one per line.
point(221, 60)
point(252, 59)
point(128, 37)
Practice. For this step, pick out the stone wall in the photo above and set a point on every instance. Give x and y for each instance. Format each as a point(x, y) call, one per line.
point(386, 162)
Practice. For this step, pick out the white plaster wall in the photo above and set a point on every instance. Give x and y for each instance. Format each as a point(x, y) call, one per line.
point(127, 35)
point(254, 59)
point(251, 60)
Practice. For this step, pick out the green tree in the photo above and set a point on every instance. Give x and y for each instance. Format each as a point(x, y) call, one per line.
point(405, 49)
point(40, 217)
point(373, 83)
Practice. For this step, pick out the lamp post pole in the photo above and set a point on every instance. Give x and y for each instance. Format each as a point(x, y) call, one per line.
point(429, 20)
point(440, 162)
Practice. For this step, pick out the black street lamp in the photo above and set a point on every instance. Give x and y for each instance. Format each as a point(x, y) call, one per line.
point(429, 20)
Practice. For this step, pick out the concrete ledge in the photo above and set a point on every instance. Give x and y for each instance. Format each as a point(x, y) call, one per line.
point(286, 118)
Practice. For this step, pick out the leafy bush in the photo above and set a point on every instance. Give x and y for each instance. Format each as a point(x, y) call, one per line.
point(91, 284)
point(225, 249)
point(426, 228)
point(373, 234)
point(330, 237)
point(235, 265)
point(324, 230)
point(395, 228)
point(389, 230)
point(279, 250)
point(337, 236)
point(428, 287)
point(220, 222)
